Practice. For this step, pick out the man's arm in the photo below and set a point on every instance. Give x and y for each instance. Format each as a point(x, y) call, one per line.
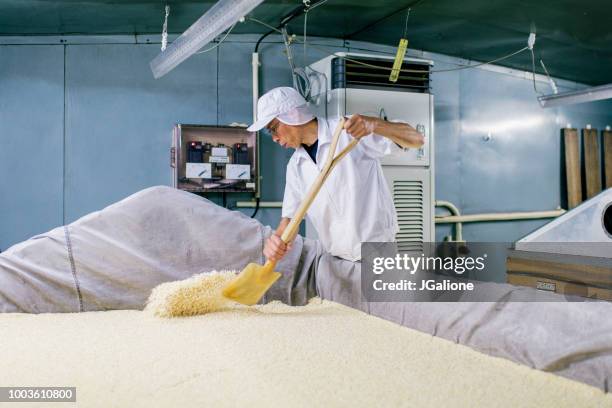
point(403, 134)
point(275, 248)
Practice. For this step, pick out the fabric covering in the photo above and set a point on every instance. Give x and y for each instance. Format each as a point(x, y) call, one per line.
point(319, 355)
point(572, 339)
point(113, 258)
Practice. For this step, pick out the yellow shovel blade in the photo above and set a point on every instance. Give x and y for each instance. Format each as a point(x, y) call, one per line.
point(251, 284)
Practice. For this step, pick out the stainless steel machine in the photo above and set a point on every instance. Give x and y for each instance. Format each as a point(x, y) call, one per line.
point(570, 255)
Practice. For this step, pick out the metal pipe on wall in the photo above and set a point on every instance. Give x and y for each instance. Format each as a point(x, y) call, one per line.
point(255, 75)
point(454, 211)
point(510, 216)
point(262, 204)
point(456, 218)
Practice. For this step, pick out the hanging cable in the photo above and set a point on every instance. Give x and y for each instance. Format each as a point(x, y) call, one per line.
point(164, 40)
point(301, 82)
point(272, 30)
point(481, 63)
point(406, 23)
point(261, 39)
point(317, 4)
point(263, 23)
point(220, 41)
point(551, 81)
point(530, 43)
point(296, 12)
point(305, 26)
point(256, 208)
point(415, 71)
point(411, 71)
point(301, 79)
point(287, 41)
point(535, 89)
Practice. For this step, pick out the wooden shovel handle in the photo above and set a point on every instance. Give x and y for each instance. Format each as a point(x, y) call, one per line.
point(268, 266)
point(342, 153)
point(333, 145)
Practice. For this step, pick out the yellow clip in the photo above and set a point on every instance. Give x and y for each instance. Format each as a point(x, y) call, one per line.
point(399, 60)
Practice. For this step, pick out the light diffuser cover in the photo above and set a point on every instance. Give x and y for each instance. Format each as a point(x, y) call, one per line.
point(217, 19)
point(592, 94)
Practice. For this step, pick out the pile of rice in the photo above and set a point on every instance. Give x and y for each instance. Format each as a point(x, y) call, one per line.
point(197, 295)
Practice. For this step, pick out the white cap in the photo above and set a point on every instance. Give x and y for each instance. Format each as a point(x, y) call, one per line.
point(283, 103)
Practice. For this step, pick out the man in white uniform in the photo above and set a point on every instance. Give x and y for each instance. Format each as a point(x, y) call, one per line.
point(355, 204)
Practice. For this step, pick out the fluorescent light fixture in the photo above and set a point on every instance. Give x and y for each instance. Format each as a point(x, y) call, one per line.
point(217, 19)
point(592, 94)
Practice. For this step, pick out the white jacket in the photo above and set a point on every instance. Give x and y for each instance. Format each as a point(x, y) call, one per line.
point(355, 204)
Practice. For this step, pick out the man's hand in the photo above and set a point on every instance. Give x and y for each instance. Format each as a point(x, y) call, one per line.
point(402, 134)
point(359, 126)
point(275, 248)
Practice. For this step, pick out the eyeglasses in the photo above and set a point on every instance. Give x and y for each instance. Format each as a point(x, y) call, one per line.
point(273, 129)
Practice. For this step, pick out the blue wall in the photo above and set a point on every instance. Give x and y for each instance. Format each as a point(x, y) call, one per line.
point(31, 140)
point(84, 124)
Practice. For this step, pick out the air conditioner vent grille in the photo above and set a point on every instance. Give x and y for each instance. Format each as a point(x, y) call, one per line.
point(408, 200)
point(373, 73)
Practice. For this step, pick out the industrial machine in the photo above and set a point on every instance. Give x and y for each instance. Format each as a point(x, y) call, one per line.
point(214, 159)
point(354, 83)
point(572, 254)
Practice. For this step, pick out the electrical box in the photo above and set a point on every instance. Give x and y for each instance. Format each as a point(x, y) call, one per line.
point(214, 159)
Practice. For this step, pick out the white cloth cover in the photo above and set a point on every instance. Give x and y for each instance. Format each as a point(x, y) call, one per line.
point(113, 258)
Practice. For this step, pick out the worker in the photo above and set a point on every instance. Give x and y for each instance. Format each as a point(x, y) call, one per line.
point(355, 204)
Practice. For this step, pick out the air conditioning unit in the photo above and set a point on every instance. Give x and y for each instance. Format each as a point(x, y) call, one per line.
point(354, 83)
